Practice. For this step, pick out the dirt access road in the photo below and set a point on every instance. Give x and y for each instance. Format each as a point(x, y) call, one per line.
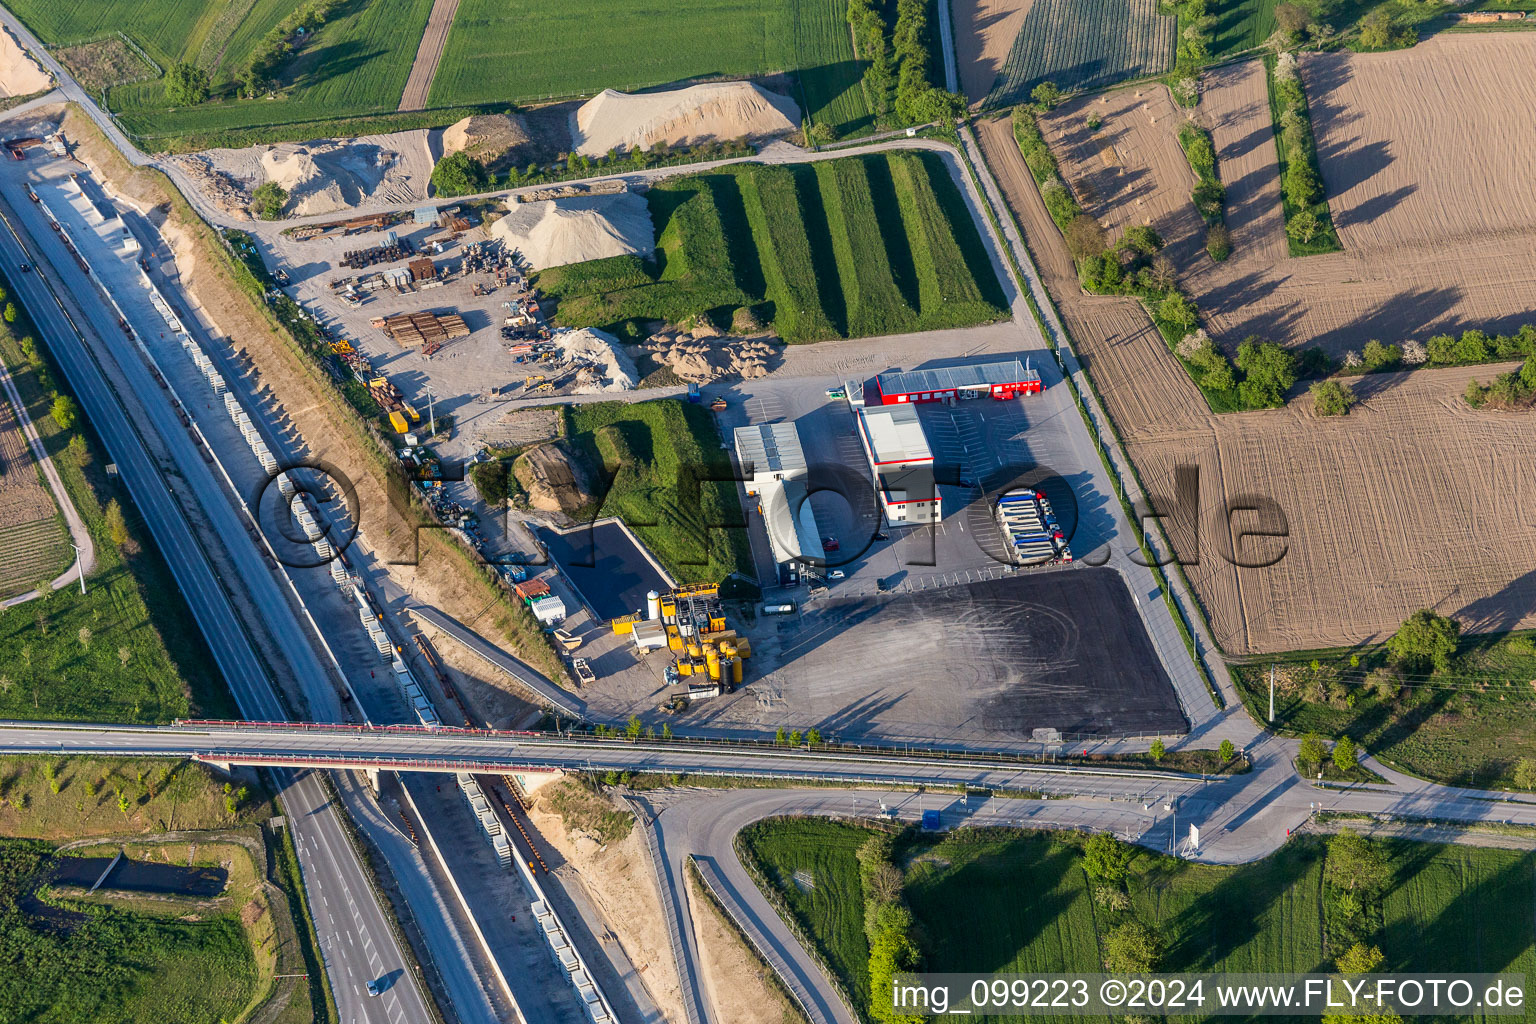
point(433, 39)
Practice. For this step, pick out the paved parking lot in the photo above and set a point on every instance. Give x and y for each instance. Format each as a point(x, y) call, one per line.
point(984, 662)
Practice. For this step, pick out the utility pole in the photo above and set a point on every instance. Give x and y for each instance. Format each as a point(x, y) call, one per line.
point(1271, 693)
point(79, 562)
point(432, 421)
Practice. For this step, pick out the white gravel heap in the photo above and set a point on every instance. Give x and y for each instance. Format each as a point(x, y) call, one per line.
point(554, 232)
point(699, 113)
point(20, 75)
point(602, 348)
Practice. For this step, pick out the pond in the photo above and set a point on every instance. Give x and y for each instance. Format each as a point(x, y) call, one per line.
point(140, 876)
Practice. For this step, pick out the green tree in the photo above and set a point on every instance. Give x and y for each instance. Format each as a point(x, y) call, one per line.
point(1132, 948)
point(1376, 29)
point(813, 737)
point(1106, 858)
point(1292, 20)
point(459, 174)
point(781, 737)
point(1176, 309)
point(268, 200)
point(1268, 373)
point(1332, 397)
point(1359, 959)
point(79, 454)
point(1525, 773)
point(1046, 95)
point(1425, 637)
point(1356, 865)
point(1157, 750)
point(186, 84)
point(124, 803)
point(795, 738)
point(1312, 752)
point(1227, 751)
point(117, 527)
point(1302, 186)
point(1344, 754)
point(64, 412)
point(632, 728)
point(1303, 227)
point(11, 312)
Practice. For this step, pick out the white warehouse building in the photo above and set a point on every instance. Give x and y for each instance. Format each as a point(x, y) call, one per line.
point(902, 463)
point(774, 471)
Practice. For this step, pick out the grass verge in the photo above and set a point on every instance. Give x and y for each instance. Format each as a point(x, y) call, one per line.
point(1467, 726)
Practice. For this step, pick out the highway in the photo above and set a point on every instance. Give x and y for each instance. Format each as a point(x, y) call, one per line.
point(360, 946)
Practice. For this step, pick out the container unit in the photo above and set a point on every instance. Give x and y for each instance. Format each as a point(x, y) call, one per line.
point(489, 823)
point(1029, 526)
point(548, 610)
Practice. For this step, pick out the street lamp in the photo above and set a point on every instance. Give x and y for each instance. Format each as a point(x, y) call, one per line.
point(80, 564)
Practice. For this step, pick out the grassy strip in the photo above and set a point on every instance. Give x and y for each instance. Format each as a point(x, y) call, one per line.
point(828, 918)
point(128, 649)
point(774, 200)
point(1304, 148)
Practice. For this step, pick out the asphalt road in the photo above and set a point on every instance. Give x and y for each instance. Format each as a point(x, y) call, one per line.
point(361, 946)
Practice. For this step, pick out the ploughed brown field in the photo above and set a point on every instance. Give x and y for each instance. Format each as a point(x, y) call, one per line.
point(984, 33)
point(1414, 499)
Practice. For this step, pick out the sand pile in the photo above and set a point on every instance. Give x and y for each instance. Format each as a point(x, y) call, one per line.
point(551, 477)
point(326, 175)
point(493, 139)
point(20, 75)
point(700, 113)
point(602, 349)
point(703, 359)
point(554, 232)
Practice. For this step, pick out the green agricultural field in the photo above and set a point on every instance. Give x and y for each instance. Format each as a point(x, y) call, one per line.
point(519, 51)
point(354, 66)
point(1240, 25)
point(1009, 901)
point(642, 458)
point(857, 247)
point(1085, 45)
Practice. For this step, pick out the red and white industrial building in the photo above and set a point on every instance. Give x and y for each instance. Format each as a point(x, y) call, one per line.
point(1002, 381)
point(901, 462)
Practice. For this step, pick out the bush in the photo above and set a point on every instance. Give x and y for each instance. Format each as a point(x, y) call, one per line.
point(1107, 858)
point(186, 84)
point(268, 200)
point(1425, 638)
point(1377, 356)
point(1085, 237)
point(459, 174)
point(1332, 398)
point(64, 412)
point(490, 480)
point(1269, 371)
point(1132, 948)
point(1218, 242)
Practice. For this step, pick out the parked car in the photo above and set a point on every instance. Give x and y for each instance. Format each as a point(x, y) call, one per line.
point(836, 574)
point(836, 393)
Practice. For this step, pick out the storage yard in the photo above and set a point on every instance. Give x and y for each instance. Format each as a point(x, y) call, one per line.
point(1376, 477)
